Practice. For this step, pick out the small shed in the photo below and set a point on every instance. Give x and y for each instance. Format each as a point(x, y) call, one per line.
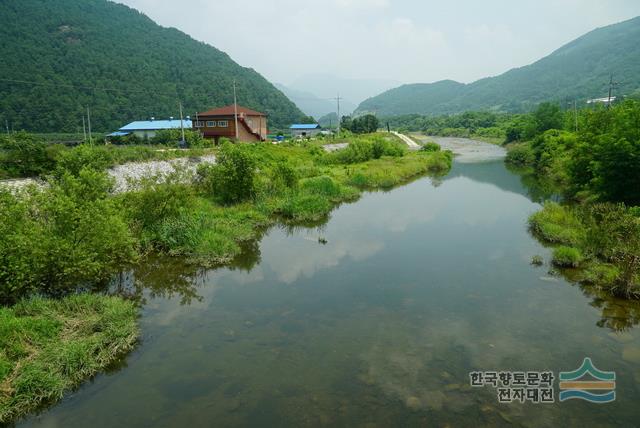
point(303, 130)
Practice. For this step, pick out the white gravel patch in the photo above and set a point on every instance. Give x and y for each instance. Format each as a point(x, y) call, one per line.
point(15, 185)
point(334, 147)
point(126, 176)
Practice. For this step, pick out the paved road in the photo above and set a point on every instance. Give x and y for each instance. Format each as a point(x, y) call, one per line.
point(408, 141)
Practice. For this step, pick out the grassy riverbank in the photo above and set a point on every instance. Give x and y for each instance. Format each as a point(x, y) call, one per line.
point(75, 233)
point(596, 231)
point(48, 346)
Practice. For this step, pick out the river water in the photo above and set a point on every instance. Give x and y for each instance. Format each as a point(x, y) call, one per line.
point(381, 326)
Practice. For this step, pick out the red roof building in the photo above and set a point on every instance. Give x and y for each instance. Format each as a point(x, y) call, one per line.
point(221, 122)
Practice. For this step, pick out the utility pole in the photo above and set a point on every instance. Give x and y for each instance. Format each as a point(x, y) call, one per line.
point(575, 111)
point(612, 85)
point(6, 124)
point(182, 142)
point(339, 118)
point(89, 121)
point(235, 109)
point(84, 130)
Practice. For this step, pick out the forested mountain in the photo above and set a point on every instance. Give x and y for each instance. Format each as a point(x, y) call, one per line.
point(309, 103)
point(579, 71)
point(118, 62)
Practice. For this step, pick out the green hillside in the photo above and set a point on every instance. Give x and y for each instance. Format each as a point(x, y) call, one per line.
point(579, 70)
point(71, 47)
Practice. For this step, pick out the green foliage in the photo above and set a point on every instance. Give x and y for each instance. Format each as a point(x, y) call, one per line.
point(430, 147)
point(557, 224)
point(547, 116)
point(24, 155)
point(606, 236)
point(607, 159)
point(304, 207)
point(155, 201)
point(566, 257)
point(172, 137)
point(68, 46)
point(284, 175)
point(51, 346)
point(362, 125)
point(362, 149)
point(59, 238)
point(232, 178)
point(520, 155)
point(72, 161)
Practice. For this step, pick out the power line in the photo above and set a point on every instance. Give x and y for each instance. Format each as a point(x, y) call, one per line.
point(90, 88)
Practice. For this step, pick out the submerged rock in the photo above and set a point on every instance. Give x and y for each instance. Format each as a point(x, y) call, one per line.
point(631, 354)
point(413, 403)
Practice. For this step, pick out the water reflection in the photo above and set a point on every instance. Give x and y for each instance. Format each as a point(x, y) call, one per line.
point(380, 326)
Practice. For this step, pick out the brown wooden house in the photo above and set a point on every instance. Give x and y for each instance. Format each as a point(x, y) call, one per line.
point(220, 122)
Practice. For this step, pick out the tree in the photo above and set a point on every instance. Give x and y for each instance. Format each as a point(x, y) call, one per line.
point(547, 116)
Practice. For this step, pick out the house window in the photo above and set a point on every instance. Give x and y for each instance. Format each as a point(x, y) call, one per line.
point(211, 124)
point(199, 124)
point(223, 123)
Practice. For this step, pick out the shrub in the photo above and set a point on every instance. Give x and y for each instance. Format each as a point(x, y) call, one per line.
point(62, 237)
point(567, 257)
point(24, 155)
point(430, 147)
point(81, 157)
point(233, 178)
point(284, 175)
point(520, 155)
point(154, 201)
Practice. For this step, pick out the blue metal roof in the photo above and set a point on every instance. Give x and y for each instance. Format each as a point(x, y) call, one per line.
point(305, 126)
point(155, 125)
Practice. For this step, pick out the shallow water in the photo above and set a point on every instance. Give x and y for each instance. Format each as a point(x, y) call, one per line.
point(381, 326)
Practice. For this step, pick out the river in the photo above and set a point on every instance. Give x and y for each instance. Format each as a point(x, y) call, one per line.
point(380, 326)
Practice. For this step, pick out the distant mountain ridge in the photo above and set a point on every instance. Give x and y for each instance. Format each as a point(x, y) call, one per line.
point(579, 70)
point(309, 103)
point(140, 69)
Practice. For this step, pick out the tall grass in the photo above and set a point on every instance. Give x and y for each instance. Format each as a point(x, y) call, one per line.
point(49, 346)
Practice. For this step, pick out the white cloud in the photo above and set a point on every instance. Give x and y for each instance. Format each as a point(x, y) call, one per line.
point(402, 40)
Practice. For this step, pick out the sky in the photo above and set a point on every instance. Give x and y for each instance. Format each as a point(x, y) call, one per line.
point(404, 41)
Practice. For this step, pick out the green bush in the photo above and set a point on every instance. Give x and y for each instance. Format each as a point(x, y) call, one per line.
point(153, 202)
point(59, 238)
point(284, 175)
point(84, 156)
point(430, 147)
point(233, 178)
point(362, 149)
point(24, 155)
point(520, 155)
point(567, 257)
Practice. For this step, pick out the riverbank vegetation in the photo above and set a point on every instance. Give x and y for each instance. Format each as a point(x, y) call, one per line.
point(597, 171)
point(25, 155)
point(48, 346)
point(75, 233)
